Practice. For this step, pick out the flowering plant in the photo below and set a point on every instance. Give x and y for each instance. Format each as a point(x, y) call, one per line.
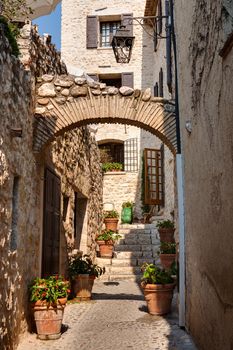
point(49, 289)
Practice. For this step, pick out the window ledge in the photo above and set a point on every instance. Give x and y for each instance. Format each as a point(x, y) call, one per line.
point(115, 173)
point(104, 48)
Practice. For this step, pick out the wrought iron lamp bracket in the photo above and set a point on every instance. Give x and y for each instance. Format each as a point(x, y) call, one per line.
point(150, 21)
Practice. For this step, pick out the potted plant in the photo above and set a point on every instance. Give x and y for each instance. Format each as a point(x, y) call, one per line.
point(106, 243)
point(127, 212)
point(166, 230)
point(111, 220)
point(112, 167)
point(167, 254)
point(48, 297)
point(158, 286)
point(82, 272)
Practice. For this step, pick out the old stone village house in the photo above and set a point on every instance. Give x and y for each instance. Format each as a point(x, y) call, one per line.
point(70, 175)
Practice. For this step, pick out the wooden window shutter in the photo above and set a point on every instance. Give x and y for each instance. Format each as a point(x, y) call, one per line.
point(161, 82)
point(92, 34)
point(127, 79)
point(168, 48)
point(131, 155)
point(126, 18)
point(156, 90)
point(154, 193)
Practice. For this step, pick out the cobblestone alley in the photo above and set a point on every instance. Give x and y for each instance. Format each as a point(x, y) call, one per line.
point(116, 319)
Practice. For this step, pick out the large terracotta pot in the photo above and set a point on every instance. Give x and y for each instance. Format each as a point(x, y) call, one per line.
point(48, 318)
point(106, 249)
point(166, 234)
point(167, 260)
point(111, 223)
point(82, 287)
point(159, 298)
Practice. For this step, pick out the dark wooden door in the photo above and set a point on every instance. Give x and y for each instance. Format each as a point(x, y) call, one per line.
point(51, 227)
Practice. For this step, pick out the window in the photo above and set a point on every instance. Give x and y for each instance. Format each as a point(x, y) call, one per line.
point(125, 153)
point(113, 79)
point(154, 176)
point(107, 31)
point(112, 153)
point(100, 29)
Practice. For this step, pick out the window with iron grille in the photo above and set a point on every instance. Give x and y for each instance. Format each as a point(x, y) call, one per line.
point(154, 176)
point(107, 30)
point(131, 155)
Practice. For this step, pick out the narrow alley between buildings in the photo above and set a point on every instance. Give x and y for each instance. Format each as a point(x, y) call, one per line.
point(115, 319)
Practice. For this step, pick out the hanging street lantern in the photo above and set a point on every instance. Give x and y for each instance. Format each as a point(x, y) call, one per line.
point(122, 44)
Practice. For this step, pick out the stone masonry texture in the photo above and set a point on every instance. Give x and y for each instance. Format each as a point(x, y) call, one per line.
point(21, 187)
point(115, 319)
point(206, 90)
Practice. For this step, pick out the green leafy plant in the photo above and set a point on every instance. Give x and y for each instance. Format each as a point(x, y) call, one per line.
point(152, 274)
point(127, 204)
point(11, 32)
point(49, 289)
point(111, 167)
point(167, 248)
point(84, 265)
point(111, 214)
point(165, 224)
point(108, 235)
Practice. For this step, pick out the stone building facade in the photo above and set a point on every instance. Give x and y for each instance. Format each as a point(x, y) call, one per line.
point(22, 185)
point(205, 71)
point(88, 50)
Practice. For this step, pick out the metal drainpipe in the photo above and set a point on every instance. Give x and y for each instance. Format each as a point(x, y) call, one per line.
point(180, 186)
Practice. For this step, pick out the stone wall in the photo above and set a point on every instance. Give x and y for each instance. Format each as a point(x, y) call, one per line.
point(38, 54)
point(126, 186)
point(19, 241)
point(205, 89)
point(74, 157)
point(102, 60)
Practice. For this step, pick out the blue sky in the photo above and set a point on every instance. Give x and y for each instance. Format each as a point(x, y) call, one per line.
point(51, 24)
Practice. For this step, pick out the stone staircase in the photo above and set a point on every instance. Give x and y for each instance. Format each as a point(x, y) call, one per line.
point(139, 243)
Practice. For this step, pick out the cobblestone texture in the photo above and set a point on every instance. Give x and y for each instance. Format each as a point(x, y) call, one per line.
point(116, 319)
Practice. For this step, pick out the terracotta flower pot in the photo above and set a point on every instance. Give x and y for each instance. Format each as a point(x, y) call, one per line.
point(106, 249)
point(159, 298)
point(111, 223)
point(166, 234)
point(48, 318)
point(167, 260)
point(82, 287)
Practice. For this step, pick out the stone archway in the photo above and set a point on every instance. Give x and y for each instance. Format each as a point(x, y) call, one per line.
point(65, 102)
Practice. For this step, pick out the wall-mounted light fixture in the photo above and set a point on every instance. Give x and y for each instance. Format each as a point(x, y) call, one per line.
point(122, 42)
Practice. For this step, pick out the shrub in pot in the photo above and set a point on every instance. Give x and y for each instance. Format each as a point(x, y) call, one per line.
point(82, 272)
point(112, 167)
point(127, 213)
point(106, 242)
point(111, 220)
point(166, 230)
point(158, 286)
point(48, 297)
point(167, 254)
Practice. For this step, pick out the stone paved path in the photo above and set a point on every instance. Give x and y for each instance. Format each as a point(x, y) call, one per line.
point(116, 319)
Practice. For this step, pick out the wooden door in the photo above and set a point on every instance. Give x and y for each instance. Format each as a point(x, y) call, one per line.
point(154, 178)
point(51, 226)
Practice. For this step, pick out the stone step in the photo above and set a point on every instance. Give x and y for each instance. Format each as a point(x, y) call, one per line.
point(136, 226)
point(136, 235)
point(134, 278)
point(135, 240)
point(127, 247)
point(127, 270)
point(125, 262)
point(127, 255)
